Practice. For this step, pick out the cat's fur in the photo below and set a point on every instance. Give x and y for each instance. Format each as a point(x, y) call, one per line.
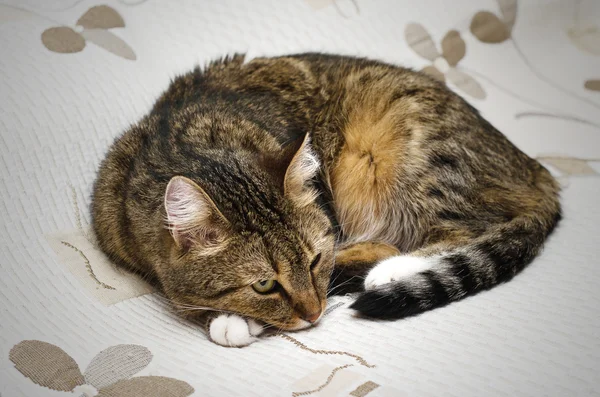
point(246, 171)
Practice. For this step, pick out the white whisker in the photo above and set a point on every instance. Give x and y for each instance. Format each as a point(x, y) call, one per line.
point(329, 292)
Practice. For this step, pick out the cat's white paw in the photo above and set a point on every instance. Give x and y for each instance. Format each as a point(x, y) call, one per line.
point(398, 268)
point(234, 331)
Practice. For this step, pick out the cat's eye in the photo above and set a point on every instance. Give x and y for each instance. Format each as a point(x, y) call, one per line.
point(315, 261)
point(264, 286)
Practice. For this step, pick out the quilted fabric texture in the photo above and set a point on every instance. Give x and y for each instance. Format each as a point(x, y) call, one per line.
point(75, 73)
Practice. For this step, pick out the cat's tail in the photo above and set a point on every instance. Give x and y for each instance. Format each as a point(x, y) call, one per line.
point(402, 286)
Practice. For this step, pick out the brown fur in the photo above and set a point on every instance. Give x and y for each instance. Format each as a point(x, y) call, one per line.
point(406, 165)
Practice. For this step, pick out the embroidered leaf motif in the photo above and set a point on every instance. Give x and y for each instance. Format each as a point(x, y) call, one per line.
point(488, 28)
point(420, 41)
point(63, 39)
point(364, 389)
point(109, 42)
point(508, 9)
point(101, 17)
point(586, 38)
point(453, 47)
point(466, 83)
point(145, 386)
point(116, 363)
point(46, 365)
point(569, 165)
point(433, 72)
point(592, 85)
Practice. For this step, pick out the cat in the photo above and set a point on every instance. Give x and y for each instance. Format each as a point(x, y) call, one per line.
point(253, 189)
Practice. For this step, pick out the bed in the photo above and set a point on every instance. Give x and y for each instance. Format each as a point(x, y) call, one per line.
point(74, 74)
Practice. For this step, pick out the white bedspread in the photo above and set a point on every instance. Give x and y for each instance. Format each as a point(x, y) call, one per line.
point(63, 99)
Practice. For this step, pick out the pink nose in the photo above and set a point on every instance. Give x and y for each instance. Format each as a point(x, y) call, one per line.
point(313, 317)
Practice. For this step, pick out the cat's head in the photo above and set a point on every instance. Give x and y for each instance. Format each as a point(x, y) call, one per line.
point(255, 245)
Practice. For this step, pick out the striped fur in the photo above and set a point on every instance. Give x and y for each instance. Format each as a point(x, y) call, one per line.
point(491, 259)
point(354, 162)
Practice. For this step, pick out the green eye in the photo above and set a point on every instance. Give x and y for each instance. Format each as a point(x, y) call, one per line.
point(315, 261)
point(264, 286)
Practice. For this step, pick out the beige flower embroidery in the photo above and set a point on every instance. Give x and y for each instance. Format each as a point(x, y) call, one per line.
point(489, 28)
point(584, 31)
point(585, 35)
point(569, 166)
point(91, 27)
point(592, 84)
point(107, 375)
point(444, 64)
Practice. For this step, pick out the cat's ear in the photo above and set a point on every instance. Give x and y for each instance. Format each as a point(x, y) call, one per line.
point(302, 168)
point(192, 217)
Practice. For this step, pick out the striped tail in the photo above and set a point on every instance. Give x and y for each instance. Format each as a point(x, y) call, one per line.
point(403, 286)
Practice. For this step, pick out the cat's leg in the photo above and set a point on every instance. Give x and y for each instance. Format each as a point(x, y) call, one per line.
point(231, 330)
point(429, 277)
point(462, 263)
point(352, 263)
point(456, 242)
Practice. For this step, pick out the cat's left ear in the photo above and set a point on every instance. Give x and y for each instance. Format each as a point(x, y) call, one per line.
point(301, 170)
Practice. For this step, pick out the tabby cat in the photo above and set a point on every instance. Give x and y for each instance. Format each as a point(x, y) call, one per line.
point(252, 189)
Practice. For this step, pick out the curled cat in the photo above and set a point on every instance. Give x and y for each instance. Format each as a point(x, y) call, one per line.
point(253, 189)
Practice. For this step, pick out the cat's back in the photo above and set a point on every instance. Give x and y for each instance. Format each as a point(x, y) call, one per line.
point(405, 152)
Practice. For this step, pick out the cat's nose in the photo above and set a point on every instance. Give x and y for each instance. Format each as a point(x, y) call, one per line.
point(312, 317)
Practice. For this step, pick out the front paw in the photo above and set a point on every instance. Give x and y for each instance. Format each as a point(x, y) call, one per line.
point(232, 330)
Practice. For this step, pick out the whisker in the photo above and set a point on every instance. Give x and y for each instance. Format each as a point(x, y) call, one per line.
point(279, 330)
point(344, 283)
point(267, 326)
point(180, 307)
point(185, 307)
point(336, 277)
point(191, 309)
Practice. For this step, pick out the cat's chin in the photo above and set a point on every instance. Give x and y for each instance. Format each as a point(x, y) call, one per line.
point(300, 324)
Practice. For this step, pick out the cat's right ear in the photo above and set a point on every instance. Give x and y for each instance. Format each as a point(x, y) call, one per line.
point(292, 169)
point(192, 217)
